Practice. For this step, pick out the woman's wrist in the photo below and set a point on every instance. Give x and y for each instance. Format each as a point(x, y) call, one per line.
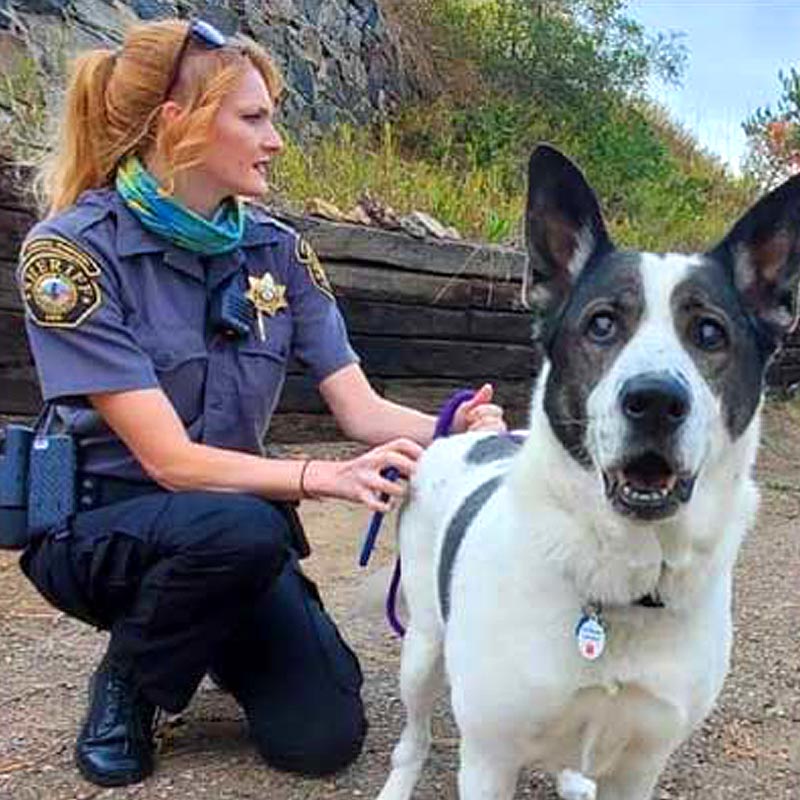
point(303, 488)
point(314, 483)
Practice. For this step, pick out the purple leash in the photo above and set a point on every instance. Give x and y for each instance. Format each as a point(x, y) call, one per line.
point(444, 422)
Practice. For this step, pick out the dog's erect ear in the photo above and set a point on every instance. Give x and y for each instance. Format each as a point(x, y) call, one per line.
point(564, 229)
point(762, 251)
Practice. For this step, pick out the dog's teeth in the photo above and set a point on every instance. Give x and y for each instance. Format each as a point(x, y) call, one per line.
point(644, 495)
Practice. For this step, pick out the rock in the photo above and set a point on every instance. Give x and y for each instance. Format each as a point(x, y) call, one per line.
point(429, 224)
point(340, 60)
point(382, 214)
point(358, 216)
point(317, 207)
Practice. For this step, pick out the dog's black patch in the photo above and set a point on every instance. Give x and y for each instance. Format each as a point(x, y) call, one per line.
point(494, 448)
point(735, 369)
point(455, 534)
point(610, 289)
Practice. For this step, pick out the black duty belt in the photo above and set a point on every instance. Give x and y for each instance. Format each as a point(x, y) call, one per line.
point(95, 491)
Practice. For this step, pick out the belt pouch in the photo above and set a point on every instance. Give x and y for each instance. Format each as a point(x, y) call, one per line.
point(51, 493)
point(14, 459)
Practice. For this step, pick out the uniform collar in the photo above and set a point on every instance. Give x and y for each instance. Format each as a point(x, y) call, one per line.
point(133, 239)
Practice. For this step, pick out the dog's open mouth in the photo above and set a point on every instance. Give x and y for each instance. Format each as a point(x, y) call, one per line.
point(647, 487)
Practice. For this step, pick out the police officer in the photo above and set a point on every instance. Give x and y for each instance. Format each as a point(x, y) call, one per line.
point(162, 311)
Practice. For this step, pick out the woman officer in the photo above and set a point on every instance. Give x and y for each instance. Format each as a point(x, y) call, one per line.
point(161, 311)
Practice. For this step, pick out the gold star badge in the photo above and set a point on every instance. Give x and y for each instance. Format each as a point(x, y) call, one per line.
point(268, 298)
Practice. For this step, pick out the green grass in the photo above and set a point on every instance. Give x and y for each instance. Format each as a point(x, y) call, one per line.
point(348, 163)
point(657, 189)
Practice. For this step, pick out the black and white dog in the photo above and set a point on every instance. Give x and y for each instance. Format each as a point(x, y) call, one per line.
point(576, 588)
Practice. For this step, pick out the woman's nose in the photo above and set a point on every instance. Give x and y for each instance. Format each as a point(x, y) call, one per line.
point(273, 142)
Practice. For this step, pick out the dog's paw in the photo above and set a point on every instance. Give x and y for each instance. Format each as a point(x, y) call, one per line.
point(575, 786)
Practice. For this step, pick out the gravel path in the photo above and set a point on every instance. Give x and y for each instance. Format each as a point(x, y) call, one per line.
point(749, 749)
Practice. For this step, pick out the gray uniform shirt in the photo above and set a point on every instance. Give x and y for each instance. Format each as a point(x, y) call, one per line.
point(111, 307)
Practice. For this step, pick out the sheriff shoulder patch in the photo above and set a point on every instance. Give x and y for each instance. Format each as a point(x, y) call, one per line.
point(305, 255)
point(58, 281)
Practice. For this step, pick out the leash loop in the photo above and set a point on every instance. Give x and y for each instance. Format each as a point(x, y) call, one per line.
point(444, 423)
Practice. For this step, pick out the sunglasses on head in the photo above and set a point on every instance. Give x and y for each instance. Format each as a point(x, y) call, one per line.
point(201, 33)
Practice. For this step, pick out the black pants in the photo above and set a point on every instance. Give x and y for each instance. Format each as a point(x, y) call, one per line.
point(197, 581)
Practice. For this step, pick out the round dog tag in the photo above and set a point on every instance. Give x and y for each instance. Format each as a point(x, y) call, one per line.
point(591, 636)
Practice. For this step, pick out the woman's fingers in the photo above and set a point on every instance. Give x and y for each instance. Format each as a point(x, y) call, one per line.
point(487, 417)
point(385, 486)
point(407, 447)
point(402, 463)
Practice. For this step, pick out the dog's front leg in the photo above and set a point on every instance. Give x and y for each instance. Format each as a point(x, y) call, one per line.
point(634, 778)
point(487, 772)
point(420, 678)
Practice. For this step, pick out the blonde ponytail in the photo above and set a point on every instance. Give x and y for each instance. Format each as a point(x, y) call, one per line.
point(81, 161)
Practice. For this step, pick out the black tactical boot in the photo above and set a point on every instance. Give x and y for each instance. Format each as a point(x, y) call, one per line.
point(115, 745)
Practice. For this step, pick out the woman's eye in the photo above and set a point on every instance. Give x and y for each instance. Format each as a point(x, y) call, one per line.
point(602, 327)
point(708, 334)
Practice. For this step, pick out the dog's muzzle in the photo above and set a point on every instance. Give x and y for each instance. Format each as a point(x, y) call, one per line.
point(649, 483)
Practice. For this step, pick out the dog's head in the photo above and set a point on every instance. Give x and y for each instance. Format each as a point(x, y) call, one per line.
point(655, 360)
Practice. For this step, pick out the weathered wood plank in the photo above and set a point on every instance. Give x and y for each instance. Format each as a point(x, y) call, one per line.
point(425, 394)
point(303, 428)
point(435, 358)
point(19, 391)
point(9, 297)
point(342, 241)
point(16, 184)
point(380, 284)
point(13, 227)
point(13, 344)
point(423, 321)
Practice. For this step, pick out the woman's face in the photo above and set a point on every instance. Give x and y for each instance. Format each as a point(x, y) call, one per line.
point(243, 141)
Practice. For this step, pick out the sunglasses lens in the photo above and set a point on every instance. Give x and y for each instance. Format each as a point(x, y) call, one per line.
point(206, 33)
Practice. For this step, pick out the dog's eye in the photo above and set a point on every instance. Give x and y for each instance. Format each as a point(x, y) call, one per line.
point(708, 334)
point(602, 327)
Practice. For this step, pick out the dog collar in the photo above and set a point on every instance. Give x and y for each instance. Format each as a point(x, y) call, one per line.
point(649, 601)
point(591, 631)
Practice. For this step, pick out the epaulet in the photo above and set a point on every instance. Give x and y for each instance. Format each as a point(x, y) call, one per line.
point(89, 209)
point(261, 215)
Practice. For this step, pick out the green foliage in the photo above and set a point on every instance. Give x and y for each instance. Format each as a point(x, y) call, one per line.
point(560, 51)
point(350, 163)
point(23, 108)
point(657, 191)
point(774, 135)
point(569, 72)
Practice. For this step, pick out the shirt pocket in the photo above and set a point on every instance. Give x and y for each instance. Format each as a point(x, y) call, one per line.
point(180, 359)
point(263, 365)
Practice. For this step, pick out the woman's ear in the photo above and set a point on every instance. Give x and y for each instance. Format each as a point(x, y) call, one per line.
point(170, 111)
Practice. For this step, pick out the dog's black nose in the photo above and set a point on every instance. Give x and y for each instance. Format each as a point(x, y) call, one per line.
point(656, 401)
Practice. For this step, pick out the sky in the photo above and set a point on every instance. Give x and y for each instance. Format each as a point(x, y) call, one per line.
point(736, 48)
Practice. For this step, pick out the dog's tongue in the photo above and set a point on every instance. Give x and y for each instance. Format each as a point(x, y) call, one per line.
point(650, 472)
point(646, 481)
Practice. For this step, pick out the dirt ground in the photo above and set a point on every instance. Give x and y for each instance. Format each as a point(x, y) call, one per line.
point(748, 749)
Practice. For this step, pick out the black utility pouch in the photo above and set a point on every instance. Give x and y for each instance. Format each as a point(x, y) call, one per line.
point(231, 312)
point(14, 460)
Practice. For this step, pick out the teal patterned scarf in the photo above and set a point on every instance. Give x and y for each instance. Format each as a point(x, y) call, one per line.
point(168, 217)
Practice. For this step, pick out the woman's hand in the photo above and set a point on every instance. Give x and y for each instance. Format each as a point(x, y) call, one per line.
point(359, 480)
point(479, 414)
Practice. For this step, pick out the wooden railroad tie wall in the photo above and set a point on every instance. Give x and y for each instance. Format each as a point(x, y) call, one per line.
point(426, 317)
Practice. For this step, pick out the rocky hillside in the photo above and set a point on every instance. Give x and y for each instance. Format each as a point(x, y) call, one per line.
point(340, 58)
